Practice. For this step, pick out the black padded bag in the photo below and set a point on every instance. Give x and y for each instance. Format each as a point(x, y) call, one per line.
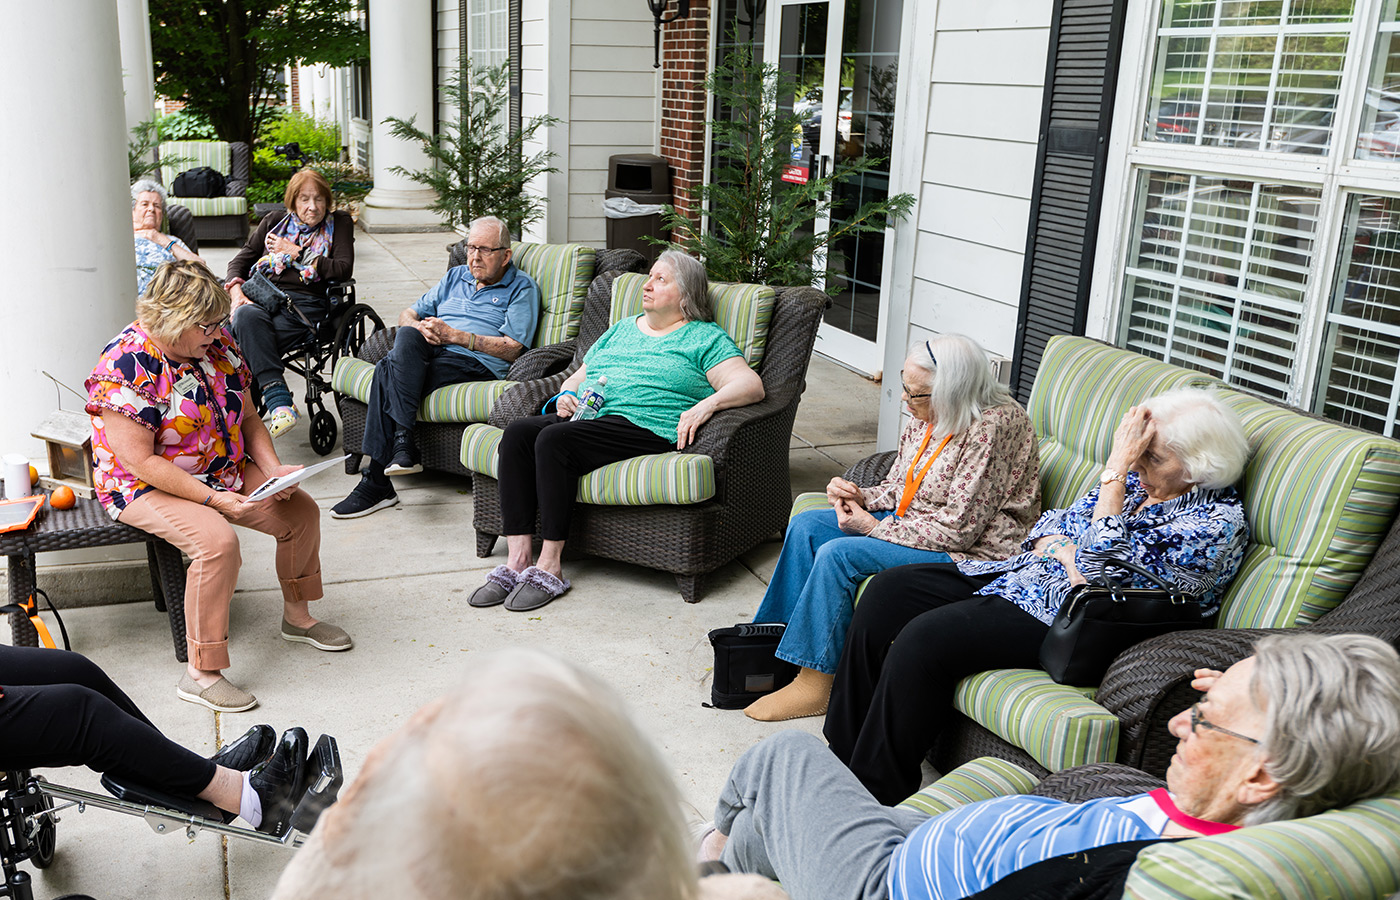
point(746, 666)
point(200, 182)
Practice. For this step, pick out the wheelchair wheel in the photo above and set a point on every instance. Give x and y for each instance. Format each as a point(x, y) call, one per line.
point(44, 840)
point(323, 432)
point(359, 323)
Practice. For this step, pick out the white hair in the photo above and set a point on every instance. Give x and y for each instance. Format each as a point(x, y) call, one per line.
point(529, 782)
point(502, 229)
point(1204, 433)
point(958, 375)
point(1331, 721)
point(147, 186)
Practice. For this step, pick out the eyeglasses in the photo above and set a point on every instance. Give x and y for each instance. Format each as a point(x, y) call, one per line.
point(1198, 720)
point(473, 249)
point(909, 393)
point(215, 328)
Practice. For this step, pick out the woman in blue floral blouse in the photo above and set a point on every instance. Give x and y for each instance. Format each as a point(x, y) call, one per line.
point(1164, 501)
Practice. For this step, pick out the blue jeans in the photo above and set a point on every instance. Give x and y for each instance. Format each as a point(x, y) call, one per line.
point(813, 589)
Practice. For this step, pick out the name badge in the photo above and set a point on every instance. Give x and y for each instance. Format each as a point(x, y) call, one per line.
point(187, 385)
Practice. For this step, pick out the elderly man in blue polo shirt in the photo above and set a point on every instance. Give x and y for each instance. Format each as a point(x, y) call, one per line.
point(470, 327)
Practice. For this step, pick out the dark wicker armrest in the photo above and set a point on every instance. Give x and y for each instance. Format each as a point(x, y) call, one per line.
point(378, 345)
point(526, 398)
point(240, 167)
point(714, 437)
point(1079, 783)
point(1151, 682)
point(619, 261)
point(179, 222)
point(541, 362)
point(871, 471)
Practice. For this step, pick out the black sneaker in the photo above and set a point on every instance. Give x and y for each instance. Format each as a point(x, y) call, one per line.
point(280, 782)
point(245, 752)
point(405, 459)
point(367, 497)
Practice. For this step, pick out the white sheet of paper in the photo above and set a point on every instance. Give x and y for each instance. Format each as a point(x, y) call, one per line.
point(281, 483)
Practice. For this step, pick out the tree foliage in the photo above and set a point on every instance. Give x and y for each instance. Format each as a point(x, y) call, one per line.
point(764, 230)
point(481, 166)
point(223, 58)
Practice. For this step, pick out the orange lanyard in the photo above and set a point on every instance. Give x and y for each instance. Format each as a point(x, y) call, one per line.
point(912, 482)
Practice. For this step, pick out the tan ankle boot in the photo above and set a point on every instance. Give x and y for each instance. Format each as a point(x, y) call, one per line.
point(808, 695)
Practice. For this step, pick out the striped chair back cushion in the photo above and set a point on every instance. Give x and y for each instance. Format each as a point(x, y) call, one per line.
point(742, 310)
point(563, 273)
point(214, 154)
point(1319, 497)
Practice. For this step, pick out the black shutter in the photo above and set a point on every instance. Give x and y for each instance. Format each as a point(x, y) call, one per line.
point(513, 49)
point(1081, 74)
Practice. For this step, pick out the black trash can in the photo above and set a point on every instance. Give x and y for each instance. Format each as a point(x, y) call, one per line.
point(646, 181)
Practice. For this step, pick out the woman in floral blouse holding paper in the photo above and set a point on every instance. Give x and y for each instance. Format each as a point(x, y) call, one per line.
point(175, 452)
point(966, 486)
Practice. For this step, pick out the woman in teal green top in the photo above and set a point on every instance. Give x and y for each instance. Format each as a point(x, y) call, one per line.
point(668, 371)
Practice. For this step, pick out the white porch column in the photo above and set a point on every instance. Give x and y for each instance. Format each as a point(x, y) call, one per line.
point(138, 76)
point(73, 282)
point(401, 85)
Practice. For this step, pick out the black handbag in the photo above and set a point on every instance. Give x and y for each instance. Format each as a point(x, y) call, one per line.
point(746, 666)
point(1099, 621)
point(260, 289)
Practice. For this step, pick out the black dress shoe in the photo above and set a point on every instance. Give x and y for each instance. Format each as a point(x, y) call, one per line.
point(280, 781)
point(247, 751)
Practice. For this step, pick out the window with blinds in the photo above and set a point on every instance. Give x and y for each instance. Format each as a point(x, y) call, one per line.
point(1218, 275)
point(1264, 242)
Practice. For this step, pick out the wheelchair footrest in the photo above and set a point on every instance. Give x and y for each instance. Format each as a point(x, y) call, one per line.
point(131, 792)
point(324, 777)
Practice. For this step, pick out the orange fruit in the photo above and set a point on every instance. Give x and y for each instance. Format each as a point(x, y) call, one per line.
point(33, 476)
point(63, 498)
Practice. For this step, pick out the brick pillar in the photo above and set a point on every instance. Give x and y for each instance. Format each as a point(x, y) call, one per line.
point(685, 56)
point(294, 87)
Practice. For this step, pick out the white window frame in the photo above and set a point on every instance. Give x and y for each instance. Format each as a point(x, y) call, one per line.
point(1128, 154)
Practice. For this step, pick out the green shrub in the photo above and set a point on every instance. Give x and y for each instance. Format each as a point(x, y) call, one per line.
point(185, 126)
point(266, 192)
point(319, 138)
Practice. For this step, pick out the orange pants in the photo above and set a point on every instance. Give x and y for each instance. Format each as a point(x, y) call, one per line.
point(208, 538)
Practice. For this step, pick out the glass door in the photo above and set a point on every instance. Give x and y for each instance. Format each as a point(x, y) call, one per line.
point(844, 58)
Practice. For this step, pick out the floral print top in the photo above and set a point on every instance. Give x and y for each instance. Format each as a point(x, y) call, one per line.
point(1195, 542)
point(149, 257)
point(978, 497)
point(195, 411)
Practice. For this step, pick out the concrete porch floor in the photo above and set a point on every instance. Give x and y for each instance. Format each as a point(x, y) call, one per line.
point(403, 599)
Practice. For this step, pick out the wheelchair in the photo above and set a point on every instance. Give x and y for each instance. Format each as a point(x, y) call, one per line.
point(30, 804)
point(343, 332)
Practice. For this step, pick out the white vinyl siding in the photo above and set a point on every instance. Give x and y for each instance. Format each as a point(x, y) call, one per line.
point(448, 55)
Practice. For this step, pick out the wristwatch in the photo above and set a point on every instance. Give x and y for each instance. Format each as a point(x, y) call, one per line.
point(1108, 475)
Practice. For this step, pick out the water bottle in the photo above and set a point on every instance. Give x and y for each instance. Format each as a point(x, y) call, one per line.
point(591, 401)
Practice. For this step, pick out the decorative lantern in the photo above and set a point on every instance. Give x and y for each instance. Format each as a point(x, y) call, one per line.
point(67, 437)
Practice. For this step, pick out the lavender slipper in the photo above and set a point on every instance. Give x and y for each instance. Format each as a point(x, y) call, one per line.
point(499, 582)
point(534, 588)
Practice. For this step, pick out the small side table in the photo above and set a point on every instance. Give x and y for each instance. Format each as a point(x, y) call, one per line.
point(86, 525)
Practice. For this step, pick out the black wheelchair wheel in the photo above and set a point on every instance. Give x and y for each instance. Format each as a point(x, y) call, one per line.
point(323, 432)
point(44, 841)
point(359, 323)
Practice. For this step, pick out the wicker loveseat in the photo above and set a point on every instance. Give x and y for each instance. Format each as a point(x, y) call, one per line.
point(685, 513)
point(1320, 499)
point(563, 273)
point(216, 218)
point(1351, 853)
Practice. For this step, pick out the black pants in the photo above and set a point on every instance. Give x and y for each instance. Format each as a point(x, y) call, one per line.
point(60, 709)
point(411, 371)
point(264, 337)
point(542, 458)
point(917, 632)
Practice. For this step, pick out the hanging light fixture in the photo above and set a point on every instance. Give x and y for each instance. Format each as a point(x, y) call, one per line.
point(658, 9)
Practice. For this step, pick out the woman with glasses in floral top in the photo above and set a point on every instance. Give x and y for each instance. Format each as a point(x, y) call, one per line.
point(176, 452)
point(966, 485)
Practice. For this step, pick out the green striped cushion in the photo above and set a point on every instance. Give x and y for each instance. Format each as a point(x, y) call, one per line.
point(675, 478)
point(213, 206)
point(1319, 499)
point(1081, 390)
point(981, 779)
point(807, 502)
point(214, 154)
point(1350, 853)
point(479, 445)
point(1058, 725)
point(742, 310)
point(469, 401)
point(563, 272)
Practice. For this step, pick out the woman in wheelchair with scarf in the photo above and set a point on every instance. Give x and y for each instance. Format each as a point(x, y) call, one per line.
point(296, 252)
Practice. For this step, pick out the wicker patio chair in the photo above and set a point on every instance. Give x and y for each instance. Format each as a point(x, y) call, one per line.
point(216, 218)
point(563, 272)
point(735, 491)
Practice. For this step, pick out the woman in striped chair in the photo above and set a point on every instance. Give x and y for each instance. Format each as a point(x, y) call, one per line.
point(667, 372)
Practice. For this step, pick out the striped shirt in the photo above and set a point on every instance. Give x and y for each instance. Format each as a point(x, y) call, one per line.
point(968, 849)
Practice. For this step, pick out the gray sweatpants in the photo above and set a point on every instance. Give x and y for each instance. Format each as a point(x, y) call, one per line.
point(793, 812)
